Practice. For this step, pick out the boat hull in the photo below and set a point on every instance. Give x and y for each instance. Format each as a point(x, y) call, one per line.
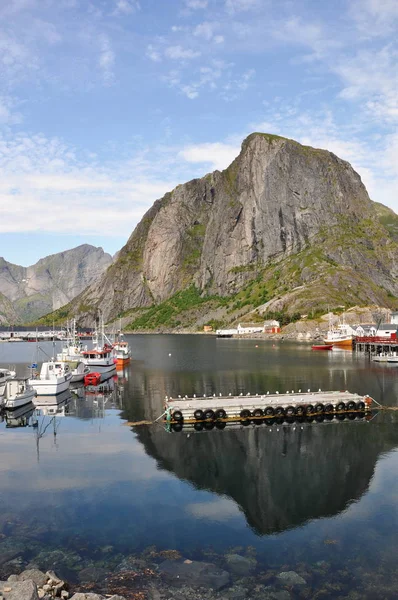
point(100, 367)
point(345, 343)
point(323, 347)
point(45, 387)
point(20, 400)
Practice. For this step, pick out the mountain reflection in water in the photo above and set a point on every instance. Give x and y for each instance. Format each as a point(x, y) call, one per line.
point(280, 477)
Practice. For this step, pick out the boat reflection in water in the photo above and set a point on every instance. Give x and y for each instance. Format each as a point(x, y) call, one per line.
point(53, 405)
point(280, 476)
point(24, 416)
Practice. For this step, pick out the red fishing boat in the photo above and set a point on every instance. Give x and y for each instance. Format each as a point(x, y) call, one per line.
point(323, 347)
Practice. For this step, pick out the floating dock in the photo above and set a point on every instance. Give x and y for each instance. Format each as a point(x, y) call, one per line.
point(209, 411)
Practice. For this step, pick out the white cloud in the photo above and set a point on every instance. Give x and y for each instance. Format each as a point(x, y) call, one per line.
point(313, 35)
point(236, 6)
point(45, 186)
point(180, 53)
point(125, 7)
point(206, 30)
point(196, 4)
point(8, 112)
point(375, 17)
point(153, 54)
point(220, 509)
point(217, 155)
point(106, 60)
point(372, 78)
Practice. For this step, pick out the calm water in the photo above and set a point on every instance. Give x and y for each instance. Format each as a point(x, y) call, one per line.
point(318, 498)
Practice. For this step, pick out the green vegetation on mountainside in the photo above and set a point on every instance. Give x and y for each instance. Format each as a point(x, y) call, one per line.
point(170, 313)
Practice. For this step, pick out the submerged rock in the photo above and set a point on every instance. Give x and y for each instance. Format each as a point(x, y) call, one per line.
point(195, 573)
point(290, 578)
point(240, 565)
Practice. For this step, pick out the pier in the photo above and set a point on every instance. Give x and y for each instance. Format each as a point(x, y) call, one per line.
point(375, 344)
point(207, 412)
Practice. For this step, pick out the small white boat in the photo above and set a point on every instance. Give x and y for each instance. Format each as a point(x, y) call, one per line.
point(72, 348)
point(54, 378)
point(77, 367)
point(122, 352)
point(101, 358)
point(17, 392)
point(5, 375)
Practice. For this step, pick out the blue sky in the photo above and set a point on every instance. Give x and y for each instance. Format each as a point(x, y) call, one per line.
point(105, 105)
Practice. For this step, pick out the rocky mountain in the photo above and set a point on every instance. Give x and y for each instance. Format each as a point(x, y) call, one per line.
point(285, 227)
point(30, 292)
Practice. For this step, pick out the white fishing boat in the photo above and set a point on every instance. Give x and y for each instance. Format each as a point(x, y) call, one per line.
point(5, 375)
point(72, 348)
point(340, 335)
point(78, 368)
point(54, 378)
point(17, 392)
point(121, 348)
point(123, 352)
point(101, 358)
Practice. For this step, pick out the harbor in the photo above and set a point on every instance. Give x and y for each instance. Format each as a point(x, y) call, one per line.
point(88, 475)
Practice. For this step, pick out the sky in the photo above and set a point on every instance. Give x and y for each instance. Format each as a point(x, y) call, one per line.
point(106, 105)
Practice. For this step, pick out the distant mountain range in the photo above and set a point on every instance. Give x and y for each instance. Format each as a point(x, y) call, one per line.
point(27, 293)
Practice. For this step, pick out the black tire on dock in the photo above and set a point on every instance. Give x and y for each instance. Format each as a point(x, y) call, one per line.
point(245, 414)
point(257, 415)
point(340, 406)
point(269, 411)
point(329, 416)
point(209, 414)
point(320, 418)
point(290, 411)
point(329, 408)
point(198, 414)
point(177, 416)
point(279, 420)
point(319, 408)
point(300, 410)
point(220, 414)
point(351, 405)
point(221, 424)
point(198, 426)
point(309, 409)
point(300, 419)
point(270, 422)
point(177, 427)
point(340, 417)
point(361, 405)
point(209, 425)
point(280, 411)
point(351, 416)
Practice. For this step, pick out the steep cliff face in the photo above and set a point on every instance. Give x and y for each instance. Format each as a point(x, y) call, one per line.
point(52, 282)
point(277, 201)
point(7, 313)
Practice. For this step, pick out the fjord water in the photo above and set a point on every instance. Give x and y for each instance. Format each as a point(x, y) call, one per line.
point(316, 498)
